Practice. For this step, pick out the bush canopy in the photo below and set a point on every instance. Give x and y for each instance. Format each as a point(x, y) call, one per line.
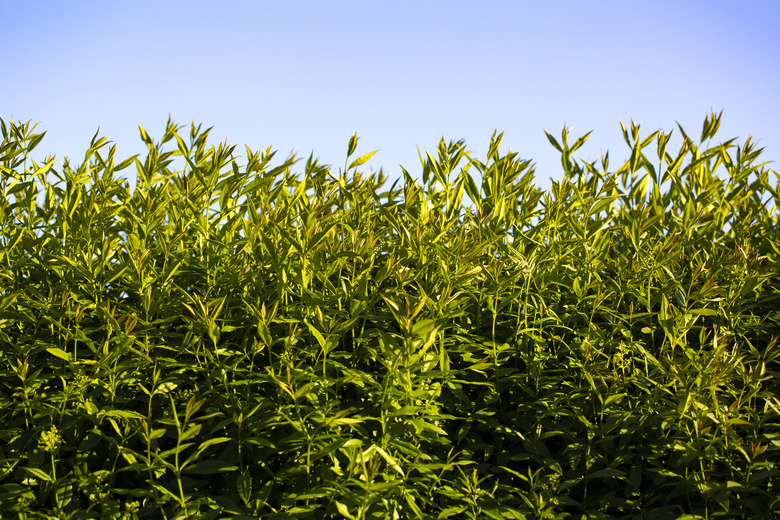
point(244, 338)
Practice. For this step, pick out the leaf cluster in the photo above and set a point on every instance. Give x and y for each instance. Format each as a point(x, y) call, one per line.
point(241, 338)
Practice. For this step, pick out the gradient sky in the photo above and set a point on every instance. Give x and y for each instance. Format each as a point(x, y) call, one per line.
point(304, 75)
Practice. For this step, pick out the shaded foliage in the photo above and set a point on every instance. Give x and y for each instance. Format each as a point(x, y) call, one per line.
point(281, 340)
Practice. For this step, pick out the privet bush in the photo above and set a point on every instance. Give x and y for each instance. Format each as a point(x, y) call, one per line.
point(241, 338)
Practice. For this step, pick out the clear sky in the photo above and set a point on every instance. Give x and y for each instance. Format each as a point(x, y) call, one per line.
point(304, 75)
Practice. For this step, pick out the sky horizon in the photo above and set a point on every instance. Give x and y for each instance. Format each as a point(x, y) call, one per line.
point(303, 76)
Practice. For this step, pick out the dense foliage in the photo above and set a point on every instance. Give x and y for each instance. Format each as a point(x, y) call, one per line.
point(235, 338)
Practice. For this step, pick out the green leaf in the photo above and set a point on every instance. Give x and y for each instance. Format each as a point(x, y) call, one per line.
point(244, 486)
point(606, 472)
point(192, 431)
point(389, 459)
point(495, 142)
point(704, 312)
point(168, 495)
point(352, 145)
point(58, 352)
point(264, 332)
point(679, 296)
point(34, 141)
point(122, 414)
point(172, 271)
point(451, 511)
point(213, 442)
point(164, 388)
point(553, 141)
point(362, 159)
point(90, 407)
point(343, 510)
point(210, 467)
point(602, 204)
point(579, 142)
point(64, 492)
point(330, 448)
point(318, 336)
point(174, 451)
point(144, 136)
point(37, 473)
point(471, 188)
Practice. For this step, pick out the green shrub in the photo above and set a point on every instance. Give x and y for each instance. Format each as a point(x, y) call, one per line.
point(283, 340)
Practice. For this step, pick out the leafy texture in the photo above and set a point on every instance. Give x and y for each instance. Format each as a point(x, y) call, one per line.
point(238, 338)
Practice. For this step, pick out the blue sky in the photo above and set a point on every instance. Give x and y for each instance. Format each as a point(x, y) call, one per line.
point(304, 75)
